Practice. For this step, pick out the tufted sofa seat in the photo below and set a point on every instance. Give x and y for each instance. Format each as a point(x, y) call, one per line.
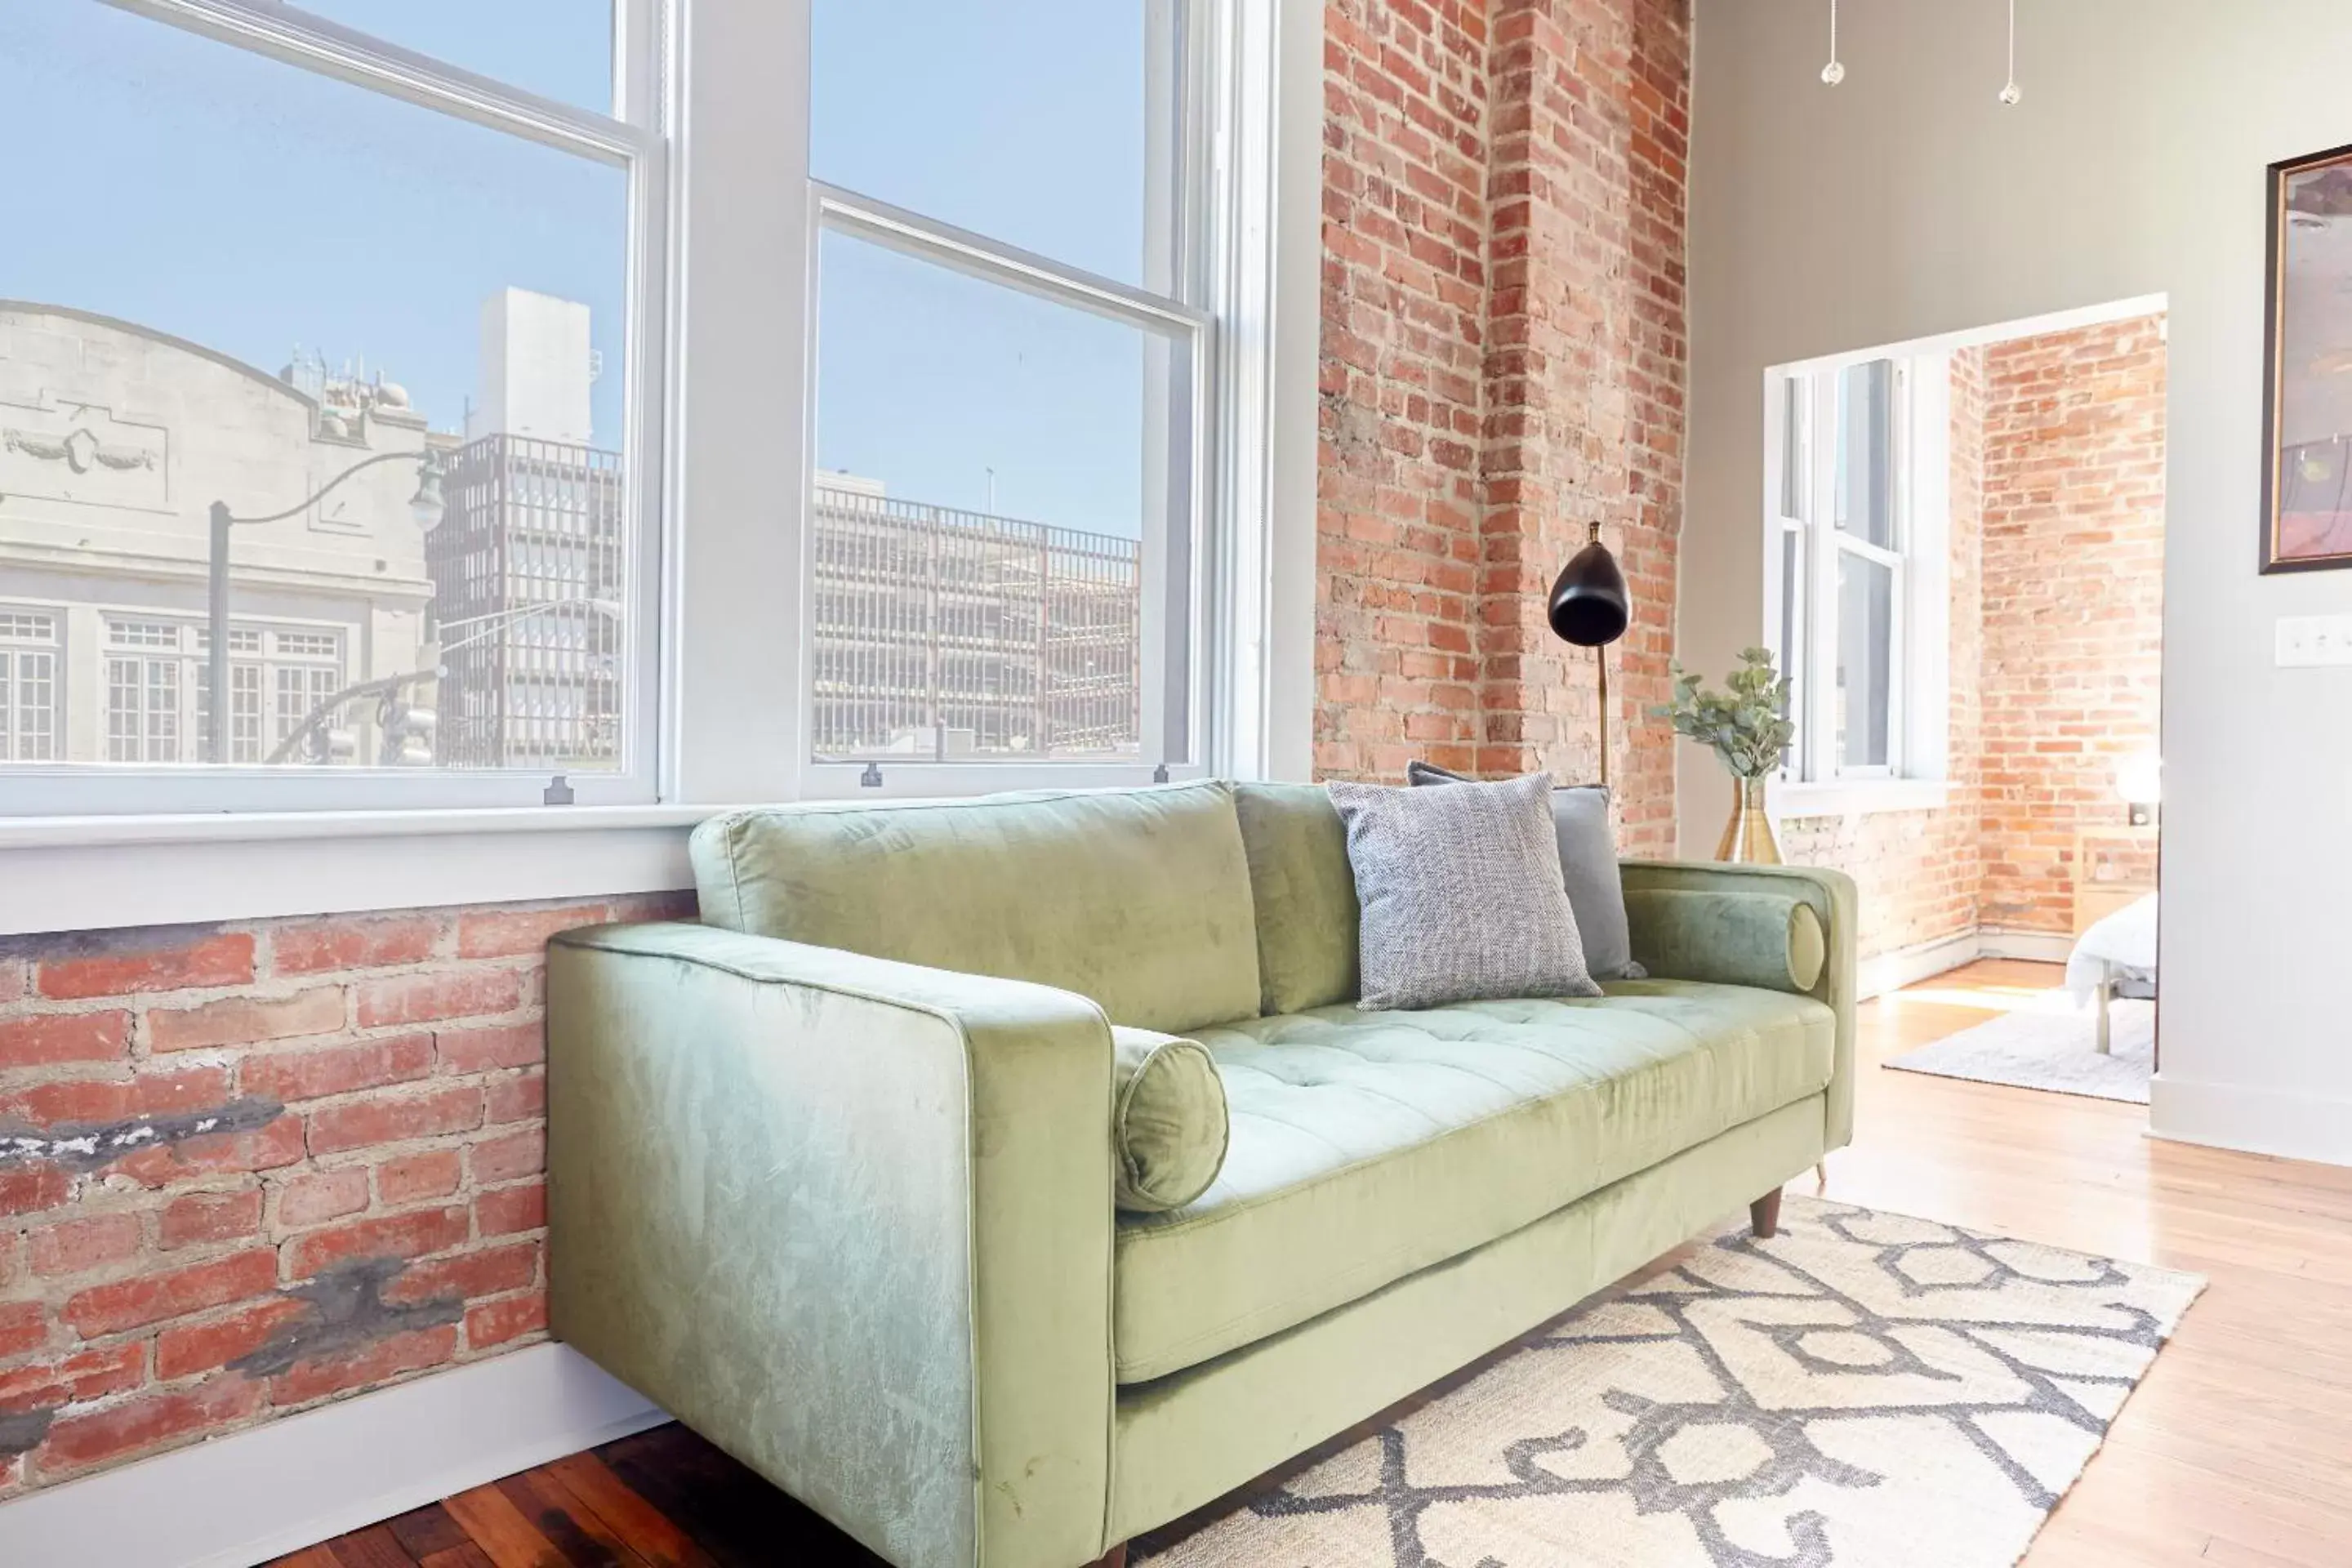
point(1366, 1146)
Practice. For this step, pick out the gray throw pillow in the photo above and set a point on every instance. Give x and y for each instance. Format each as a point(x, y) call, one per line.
point(1588, 863)
point(1461, 894)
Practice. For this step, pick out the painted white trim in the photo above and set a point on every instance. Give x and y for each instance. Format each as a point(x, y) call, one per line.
point(294, 1482)
point(1786, 798)
point(280, 827)
point(1886, 972)
point(2287, 1123)
point(128, 881)
point(2036, 946)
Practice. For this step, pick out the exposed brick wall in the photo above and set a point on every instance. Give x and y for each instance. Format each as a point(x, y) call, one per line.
point(1919, 872)
point(2074, 560)
point(249, 1168)
point(1503, 362)
point(1403, 304)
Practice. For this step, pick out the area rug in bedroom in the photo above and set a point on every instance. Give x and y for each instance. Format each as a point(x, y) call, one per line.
point(2050, 1044)
point(1863, 1391)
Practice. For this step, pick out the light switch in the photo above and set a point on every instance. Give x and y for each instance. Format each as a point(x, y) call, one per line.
point(2307, 642)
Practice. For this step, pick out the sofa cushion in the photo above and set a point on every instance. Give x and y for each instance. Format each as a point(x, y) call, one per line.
point(1168, 1121)
point(1138, 898)
point(1770, 939)
point(1366, 1146)
point(1588, 864)
point(1305, 894)
point(1460, 894)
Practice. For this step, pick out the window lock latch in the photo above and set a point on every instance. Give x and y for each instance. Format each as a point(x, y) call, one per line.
point(1160, 773)
point(872, 777)
point(559, 792)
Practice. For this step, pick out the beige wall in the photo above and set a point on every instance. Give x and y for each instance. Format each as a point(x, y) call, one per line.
point(1908, 203)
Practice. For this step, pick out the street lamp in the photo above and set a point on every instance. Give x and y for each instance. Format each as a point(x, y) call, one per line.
point(426, 505)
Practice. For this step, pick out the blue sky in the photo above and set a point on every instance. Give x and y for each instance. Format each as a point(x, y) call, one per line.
point(251, 207)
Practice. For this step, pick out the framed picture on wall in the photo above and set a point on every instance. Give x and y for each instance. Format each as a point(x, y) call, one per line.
point(2307, 428)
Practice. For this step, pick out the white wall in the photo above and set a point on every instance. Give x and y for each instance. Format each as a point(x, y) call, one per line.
point(1907, 202)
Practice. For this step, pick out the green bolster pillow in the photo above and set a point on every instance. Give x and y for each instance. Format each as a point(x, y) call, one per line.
point(1168, 1122)
point(1769, 940)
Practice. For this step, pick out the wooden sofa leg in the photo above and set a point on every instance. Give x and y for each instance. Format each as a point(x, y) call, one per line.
point(1764, 1215)
point(1115, 1558)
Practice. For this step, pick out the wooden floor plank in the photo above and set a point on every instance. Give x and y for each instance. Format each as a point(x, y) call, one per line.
point(736, 1518)
point(466, 1555)
point(654, 1537)
point(509, 1540)
point(2235, 1453)
point(575, 1530)
point(373, 1548)
point(426, 1531)
point(319, 1556)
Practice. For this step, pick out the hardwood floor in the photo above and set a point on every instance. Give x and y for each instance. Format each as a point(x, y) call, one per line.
point(2235, 1453)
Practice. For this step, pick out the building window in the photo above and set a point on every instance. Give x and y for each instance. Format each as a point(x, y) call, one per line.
point(1009, 519)
point(1853, 542)
point(29, 686)
point(159, 693)
point(488, 317)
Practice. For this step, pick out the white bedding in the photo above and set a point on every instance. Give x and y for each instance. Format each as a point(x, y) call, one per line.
point(2127, 939)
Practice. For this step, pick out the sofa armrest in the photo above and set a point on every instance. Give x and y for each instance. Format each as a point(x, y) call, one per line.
point(850, 1219)
point(1741, 929)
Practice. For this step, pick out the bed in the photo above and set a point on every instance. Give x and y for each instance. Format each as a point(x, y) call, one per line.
point(2115, 957)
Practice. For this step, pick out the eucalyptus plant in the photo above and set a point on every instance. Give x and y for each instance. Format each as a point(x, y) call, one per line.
point(1747, 726)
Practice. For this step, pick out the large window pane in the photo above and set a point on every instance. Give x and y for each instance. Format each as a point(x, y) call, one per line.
point(246, 282)
point(1865, 661)
point(561, 49)
point(990, 550)
point(1048, 125)
point(1865, 436)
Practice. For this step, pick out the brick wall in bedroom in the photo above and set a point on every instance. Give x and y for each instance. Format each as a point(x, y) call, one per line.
point(2073, 600)
point(247, 1169)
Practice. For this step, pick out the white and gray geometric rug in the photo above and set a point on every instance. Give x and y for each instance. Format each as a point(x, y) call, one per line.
point(2050, 1044)
point(1864, 1391)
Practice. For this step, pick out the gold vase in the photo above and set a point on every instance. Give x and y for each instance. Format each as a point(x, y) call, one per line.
point(1747, 837)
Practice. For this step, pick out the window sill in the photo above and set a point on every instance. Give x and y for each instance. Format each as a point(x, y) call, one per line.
point(1856, 797)
point(281, 826)
point(90, 873)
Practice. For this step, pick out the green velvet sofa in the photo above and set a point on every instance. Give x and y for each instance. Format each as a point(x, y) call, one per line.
point(831, 1174)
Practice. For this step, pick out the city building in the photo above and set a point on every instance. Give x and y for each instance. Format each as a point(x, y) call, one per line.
point(953, 635)
point(115, 442)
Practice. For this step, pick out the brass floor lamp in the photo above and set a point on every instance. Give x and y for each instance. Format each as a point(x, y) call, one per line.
point(1589, 608)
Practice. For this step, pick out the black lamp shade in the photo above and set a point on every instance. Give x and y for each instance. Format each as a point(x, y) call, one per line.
point(1589, 606)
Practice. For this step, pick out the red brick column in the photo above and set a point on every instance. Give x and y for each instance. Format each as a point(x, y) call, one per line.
point(1503, 362)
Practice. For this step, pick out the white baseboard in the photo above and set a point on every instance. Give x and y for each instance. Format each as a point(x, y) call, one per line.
point(2293, 1126)
point(2039, 946)
point(286, 1484)
point(1884, 971)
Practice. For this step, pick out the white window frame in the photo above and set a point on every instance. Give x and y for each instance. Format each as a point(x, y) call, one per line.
point(724, 114)
point(1220, 90)
point(1813, 781)
point(636, 140)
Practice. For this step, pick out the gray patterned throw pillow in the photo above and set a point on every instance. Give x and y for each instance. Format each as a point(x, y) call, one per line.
point(1461, 894)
